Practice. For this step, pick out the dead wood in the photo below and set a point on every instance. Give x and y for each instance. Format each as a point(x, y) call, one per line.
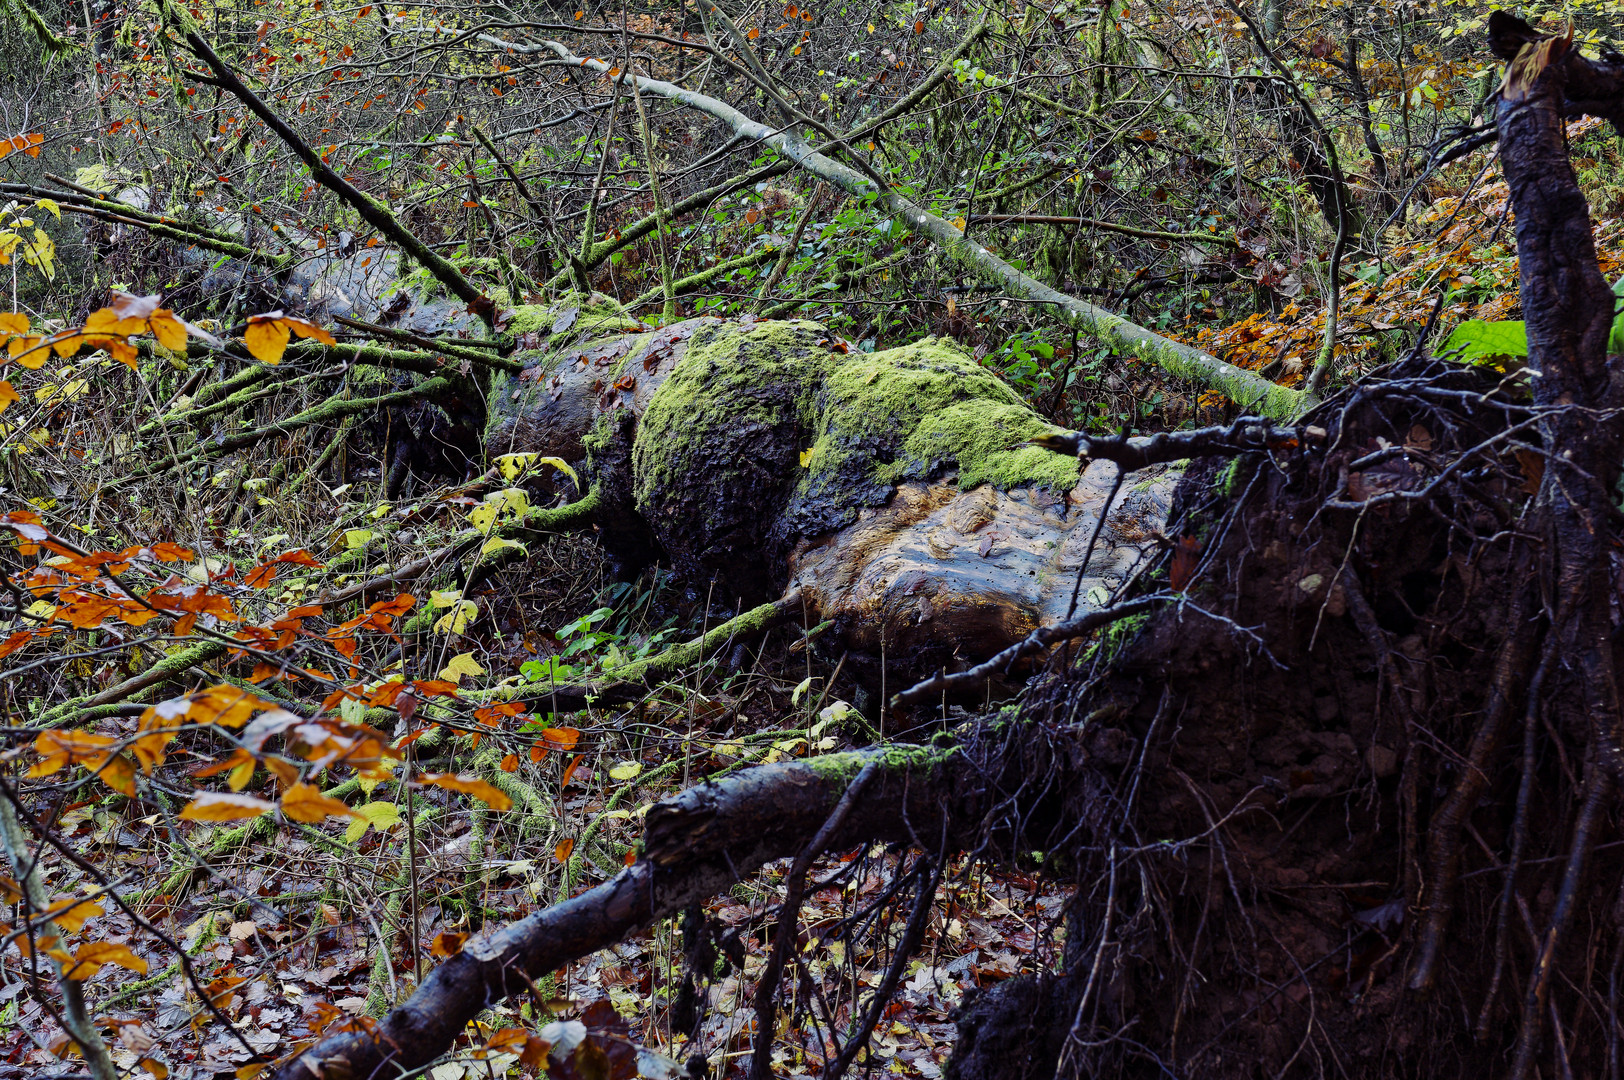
point(1242, 785)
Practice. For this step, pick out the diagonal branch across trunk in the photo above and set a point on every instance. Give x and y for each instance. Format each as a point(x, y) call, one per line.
point(1250, 390)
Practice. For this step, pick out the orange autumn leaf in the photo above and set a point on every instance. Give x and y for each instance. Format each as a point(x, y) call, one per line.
point(303, 802)
point(469, 785)
point(28, 351)
point(92, 956)
point(446, 944)
point(559, 738)
point(562, 851)
point(128, 314)
point(267, 336)
point(224, 806)
point(7, 394)
point(1186, 557)
point(28, 144)
point(15, 642)
point(260, 577)
point(117, 773)
point(71, 913)
point(20, 344)
point(400, 605)
point(234, 763)
point(226, 705)
point(569, 770)
point(71, 341)
point(532, 1050)
point(154, 735)
point(61, 748)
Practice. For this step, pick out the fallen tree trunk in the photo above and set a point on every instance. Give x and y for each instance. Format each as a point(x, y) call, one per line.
point(909, 496)
point(1265, 788)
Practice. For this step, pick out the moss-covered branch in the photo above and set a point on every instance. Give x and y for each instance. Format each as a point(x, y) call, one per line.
point(167, 668)
point(328, 411)
point(705, 277)
point(1250, 390)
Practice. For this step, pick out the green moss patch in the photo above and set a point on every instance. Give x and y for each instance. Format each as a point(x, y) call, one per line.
point(594, 314)
point(918, 412)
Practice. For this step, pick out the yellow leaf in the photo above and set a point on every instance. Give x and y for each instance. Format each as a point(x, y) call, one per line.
point(497, 543)
point(13, 322)
point(469, 785)
point(51, 205)
point(507, 503)
point(806, 456)
point(265, 339)
point(53, 393)
point(7, 394)
point(512, 465)
point(89, 958)
point(460, 665)
point(223, 806)
point(457, 619)
point(40, 253)
point(357, 538)
point(628, 771)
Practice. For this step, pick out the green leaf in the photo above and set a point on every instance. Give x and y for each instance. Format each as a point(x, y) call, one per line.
point(1478, 340)
point(1615, 340)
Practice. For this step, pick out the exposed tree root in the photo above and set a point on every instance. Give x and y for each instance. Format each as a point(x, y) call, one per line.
point(1241, 786)
point(696, 844)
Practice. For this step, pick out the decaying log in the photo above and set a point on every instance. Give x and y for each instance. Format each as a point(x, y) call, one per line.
point(907, 495)
point(1248, 835)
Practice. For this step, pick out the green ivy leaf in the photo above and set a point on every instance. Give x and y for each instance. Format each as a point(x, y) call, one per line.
point(1479, 340)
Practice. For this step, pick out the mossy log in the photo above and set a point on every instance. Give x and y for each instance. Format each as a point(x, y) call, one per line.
point(898, 492)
